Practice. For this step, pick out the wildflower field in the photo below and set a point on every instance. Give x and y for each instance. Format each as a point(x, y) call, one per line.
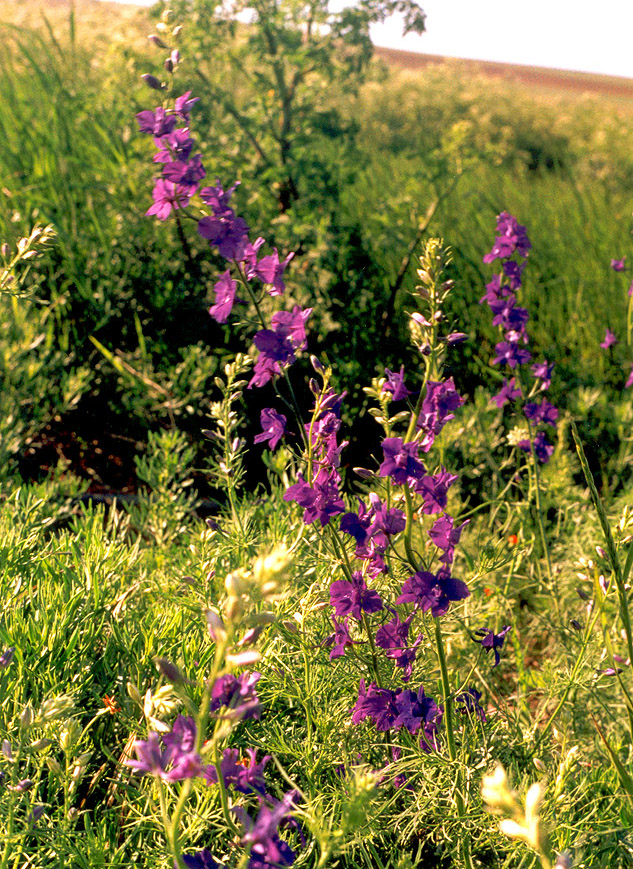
point(316, 490)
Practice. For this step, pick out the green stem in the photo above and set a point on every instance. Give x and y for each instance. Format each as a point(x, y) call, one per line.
point(450, 737)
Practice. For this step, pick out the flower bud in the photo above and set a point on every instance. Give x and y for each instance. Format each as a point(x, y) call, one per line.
point(169, 67)
point(54, 766)
point(157, 41)
point(318, 367)
point(5, 250)
point(26, 718)
point(152, 82)
point(315, 389)
point(134, 694)
point(6, 657)
point(169, 671)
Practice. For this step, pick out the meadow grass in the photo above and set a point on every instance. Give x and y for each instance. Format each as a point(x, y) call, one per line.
point(101, 604)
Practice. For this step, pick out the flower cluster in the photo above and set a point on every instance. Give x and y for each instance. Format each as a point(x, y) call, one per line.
point(512, 246)
point(226, 232)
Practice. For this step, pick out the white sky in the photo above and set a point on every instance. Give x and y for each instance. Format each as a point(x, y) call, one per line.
point(564, 34)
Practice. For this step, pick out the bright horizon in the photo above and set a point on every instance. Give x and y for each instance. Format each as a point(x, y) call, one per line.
point(560, 34)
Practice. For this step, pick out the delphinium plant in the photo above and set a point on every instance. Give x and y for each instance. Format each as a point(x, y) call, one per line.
point(524, 389)
point(392, 591)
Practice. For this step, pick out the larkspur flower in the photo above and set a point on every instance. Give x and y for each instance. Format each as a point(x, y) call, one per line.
point(273, 427)
point(541, 412)
point(168, 197)
point(434, 490)
point(609, 340)
point(470, 705)
point(401, 461)
point(543, 371)
point(434, 592)
point(237, 694)
point(446, 536)
point(354, 598)
point(320, 501)
point(201, 860)
point(277, 345)
point(508, 392)
point(157, 123)
point(509, 353)
point(543, 450)
point(395, 384)
point(418, 712)
point(511, 238)
point(184, 104)
point(6, 657)
point(393, 638)
point(174, 146)
point(267, 850)
point(224, 289)
point(629, 381)
point(618, 265)
point(491, 641)
point(377, 704)
point(246, 776)
point(340, 640)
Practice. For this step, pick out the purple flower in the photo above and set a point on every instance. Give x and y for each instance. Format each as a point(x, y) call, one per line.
point(184, 104)
point(629, 381)
point(181, 742)
point(542, 448)
point(168, 197)
point(175, 146)
point(152, 758)
point(509, 353)
point(158, 123)
point(440, 401)
point(185, 172)
point(223, 229)
point(489, 640)
point(320, 501)
point(433, 592)
point(508, 392)
point(446, 537)
point(6, 657)
point(434, 491)
point(267, 850)
point(245, 777)
point(340, 640)
point(224, 291)
point(511, 238)
point(401, 461)
point(415, 711)
point(393, 637)
point(200, 860)
point(541, 412)
point(469, 701)
point(354, 598)
point(618, 265)
point(543, 371)
point(268, 269)
point(273, 425)
point(277, 345)
point(377, 704)
point(237, 695)
point(609, 340)
point(395, 384)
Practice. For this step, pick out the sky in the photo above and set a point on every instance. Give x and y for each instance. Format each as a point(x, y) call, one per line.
point(564, 34)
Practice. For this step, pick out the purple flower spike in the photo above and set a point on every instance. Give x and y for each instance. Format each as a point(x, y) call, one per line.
point(609, 340)
point(273, 425)
point(511, 238)
point(489, 640)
